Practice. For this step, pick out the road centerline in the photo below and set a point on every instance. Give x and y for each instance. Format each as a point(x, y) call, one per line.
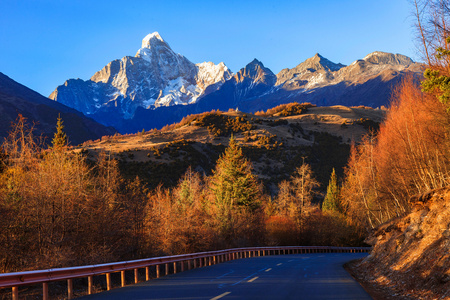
point(253, 279)
point(246, 278)
point(221, 296)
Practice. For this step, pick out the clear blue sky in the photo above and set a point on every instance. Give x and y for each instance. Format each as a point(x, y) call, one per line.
point(45, 42)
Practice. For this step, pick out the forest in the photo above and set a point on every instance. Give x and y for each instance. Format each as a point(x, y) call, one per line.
point(59, 209)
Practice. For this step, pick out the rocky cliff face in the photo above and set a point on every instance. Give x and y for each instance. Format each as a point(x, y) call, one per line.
point(155, 77)
point(318, 71)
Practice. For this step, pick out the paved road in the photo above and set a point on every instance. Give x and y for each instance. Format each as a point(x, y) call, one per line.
point(298, 276)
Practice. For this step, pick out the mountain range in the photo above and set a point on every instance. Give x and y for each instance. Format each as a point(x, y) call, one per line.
point(158, 86)
point(16, 98)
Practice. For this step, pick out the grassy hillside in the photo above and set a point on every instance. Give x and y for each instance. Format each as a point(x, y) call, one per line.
point(276, 141)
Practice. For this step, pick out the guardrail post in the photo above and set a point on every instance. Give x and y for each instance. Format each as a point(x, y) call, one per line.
point(122, 278)
point(157, 271)
point(15, 293)
point(147, 273)
point(174, 267)
point(90, 281)
point(108, 281)
point(166, 268)
point(45, 291)
point(136, 276)
point(69, 289)
point(182, 265)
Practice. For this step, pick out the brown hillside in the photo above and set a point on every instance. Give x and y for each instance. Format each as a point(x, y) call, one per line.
point(340, 121)
point(275, 144)
point(411, 255)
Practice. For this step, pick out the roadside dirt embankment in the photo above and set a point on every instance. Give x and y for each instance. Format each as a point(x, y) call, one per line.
point(411, 254)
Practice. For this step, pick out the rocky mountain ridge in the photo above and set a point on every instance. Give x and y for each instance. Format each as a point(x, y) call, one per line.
point(159, 87)
point(156, 76)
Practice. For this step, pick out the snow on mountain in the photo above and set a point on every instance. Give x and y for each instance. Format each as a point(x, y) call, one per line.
point(140, 91)
point(209, 73)
point(156, 76)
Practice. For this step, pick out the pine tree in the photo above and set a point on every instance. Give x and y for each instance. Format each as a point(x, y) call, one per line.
point(60, 138)
point(233, 183)
point(331, 201)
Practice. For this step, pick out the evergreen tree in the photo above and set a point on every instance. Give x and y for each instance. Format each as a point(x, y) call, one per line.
point(331, 201)
point(233, 183)
point(60, 138)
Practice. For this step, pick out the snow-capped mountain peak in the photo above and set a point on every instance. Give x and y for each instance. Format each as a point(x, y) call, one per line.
point(156, 76)
point(379, 57)
point(155, 48)
point(209, 73)
point(146, 42)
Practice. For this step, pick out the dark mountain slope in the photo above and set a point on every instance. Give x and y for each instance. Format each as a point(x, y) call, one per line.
point(16, 98)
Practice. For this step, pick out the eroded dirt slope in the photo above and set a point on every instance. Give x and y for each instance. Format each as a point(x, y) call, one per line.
point(411, 255)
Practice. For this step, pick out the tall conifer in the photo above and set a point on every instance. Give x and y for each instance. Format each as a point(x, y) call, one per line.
point(233, 183)
point(331, 201)
point(60, 138)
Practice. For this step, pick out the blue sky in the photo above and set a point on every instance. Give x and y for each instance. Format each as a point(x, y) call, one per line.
point(45, 42)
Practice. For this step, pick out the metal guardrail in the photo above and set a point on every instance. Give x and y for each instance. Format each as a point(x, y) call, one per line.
point(193, 260)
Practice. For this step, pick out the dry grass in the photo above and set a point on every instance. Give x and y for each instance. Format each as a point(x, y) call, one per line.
point(336, 120)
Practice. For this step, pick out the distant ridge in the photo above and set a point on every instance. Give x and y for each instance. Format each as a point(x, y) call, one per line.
point(158, 86)
point(16, 98)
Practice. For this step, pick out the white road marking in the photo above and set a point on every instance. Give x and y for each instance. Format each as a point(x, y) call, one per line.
point(220, 296)
point(246, 278)
point(279, 264)
point(268, 269)
point(253, 279)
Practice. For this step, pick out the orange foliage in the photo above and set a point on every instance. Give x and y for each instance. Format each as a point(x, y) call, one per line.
point(289, 109)
point(281, 230)
point(410, 155)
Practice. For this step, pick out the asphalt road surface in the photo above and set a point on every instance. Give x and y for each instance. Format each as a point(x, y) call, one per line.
point(297, 276)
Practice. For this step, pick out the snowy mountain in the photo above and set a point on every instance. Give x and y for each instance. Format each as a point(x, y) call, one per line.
point(368, 82)
point(156, 76)
point(158, 86)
